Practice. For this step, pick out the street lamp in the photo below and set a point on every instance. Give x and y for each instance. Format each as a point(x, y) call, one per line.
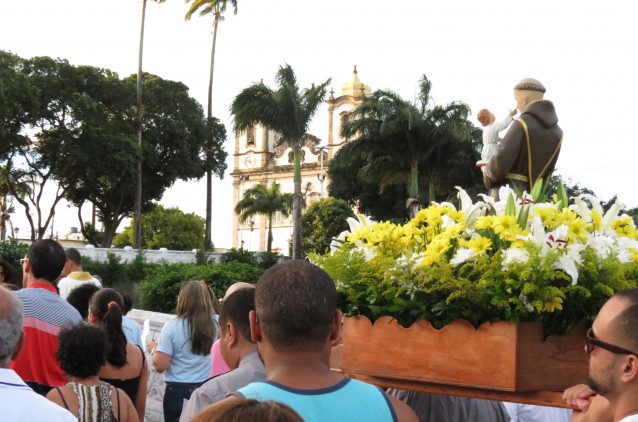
point(321, 176)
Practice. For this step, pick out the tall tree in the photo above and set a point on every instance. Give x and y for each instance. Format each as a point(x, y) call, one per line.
point(138, 185)
point(261, 199)
point(288, 111)
point(215, 8)
point(418, 133)
point(323, 220)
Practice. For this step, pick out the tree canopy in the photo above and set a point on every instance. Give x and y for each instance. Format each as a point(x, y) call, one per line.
point(322, 221)
point(168, 228)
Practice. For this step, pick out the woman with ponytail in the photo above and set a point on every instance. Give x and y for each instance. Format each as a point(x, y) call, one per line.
point(126, 366)
point(184, 347)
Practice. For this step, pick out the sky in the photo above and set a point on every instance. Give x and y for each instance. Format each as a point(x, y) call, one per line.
point(585, 53)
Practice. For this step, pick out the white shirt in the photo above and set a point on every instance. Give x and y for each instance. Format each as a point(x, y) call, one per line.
point(631, 418)
point(76, 279)
point(19, 403)
point(530, 413)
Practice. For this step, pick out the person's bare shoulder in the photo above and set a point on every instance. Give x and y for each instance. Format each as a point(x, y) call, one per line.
point(403, 411)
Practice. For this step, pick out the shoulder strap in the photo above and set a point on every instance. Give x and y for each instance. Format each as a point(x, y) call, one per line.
point(117, 394)
point(529, 152)
point(143, 360)
point(66, 406)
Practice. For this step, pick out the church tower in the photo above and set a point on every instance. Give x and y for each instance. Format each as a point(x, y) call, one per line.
point(261, 157)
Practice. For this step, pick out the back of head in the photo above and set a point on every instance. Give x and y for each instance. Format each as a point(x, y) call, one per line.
point(295, 302)
point(195, 304)
point(128, 302)
point(7, 271)
point(74, 255)
point(624, 324)
point(534, 90)
point(248, 410)
point(107, 307)
point(11, 320)
point(47, 259)
point(81, 350)
point(236, 309)
point(80, 296)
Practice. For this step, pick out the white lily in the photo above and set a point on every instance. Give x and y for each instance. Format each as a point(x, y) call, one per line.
point(471, 211)
point(462, 255)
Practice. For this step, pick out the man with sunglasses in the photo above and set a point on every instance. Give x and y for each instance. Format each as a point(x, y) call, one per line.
point(611, 393)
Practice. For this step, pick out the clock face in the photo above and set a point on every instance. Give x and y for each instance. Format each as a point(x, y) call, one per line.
point(249, 161)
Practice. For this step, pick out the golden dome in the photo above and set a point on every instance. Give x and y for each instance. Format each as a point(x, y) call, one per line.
point(355, 88)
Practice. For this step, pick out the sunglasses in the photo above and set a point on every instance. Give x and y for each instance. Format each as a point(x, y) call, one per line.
point(592, 342)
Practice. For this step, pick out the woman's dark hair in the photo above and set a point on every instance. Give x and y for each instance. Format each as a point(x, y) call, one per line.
point(7, 271)
point(248, 410)
point(80, 296)
point(107, 306)
point(81, 350)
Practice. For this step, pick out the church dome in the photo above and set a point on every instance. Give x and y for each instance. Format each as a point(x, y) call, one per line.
point(355, 87)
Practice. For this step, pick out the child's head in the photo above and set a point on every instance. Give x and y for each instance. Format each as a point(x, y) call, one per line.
point(485, 117)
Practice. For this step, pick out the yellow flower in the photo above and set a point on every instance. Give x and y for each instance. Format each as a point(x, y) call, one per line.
point(478, 244)
point(484, 222)
point(553, 304)
point(596, 221)
point(548, 216)
point(507, 227)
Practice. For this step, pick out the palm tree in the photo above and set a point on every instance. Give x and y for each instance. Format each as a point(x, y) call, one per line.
point(399, 139)
point(261, 199)
point(137, 238)
point(216, 8)
point(288, 111)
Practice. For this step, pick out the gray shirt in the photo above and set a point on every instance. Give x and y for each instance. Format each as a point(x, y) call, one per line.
point(438, 408)
point(250, 369)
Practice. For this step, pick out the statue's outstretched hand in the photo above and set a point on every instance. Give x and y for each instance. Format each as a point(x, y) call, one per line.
point(513, 113)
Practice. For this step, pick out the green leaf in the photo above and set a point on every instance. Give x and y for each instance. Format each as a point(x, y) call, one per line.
point(510, 206)
point(523, 217)
point(562, 196)
point(537, 191)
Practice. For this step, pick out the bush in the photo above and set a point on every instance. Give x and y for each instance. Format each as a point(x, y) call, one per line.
point(239, 255)
point(13, 251)
point(160, 289)
point(119, 275)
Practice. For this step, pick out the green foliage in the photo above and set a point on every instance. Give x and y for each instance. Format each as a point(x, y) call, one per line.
point(117, 274)
point(322, 221)
point(13, 251)
point(168, 228)
point(160, 289)
point(268, 259)
point(239, 255)
point(203, 257)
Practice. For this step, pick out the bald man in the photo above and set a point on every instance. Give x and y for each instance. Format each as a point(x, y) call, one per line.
point(530, 148)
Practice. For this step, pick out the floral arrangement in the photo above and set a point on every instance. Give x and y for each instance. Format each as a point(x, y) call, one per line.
point(518, 259)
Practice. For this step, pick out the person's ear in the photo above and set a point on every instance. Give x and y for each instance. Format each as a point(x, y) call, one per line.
point(255, 328)
point(335, 328)
point(231, 334)
point(19, 346)
point(92, 319)
point(630, 369)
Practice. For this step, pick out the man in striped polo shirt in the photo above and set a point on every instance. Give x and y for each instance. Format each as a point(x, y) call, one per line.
point(45, 314)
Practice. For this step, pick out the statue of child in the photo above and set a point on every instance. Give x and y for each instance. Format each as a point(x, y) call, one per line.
point(490, 133)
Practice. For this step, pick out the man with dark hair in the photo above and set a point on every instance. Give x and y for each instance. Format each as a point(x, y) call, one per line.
point(295, 324)
point(17, 401)
point(75, 276)
point(45, 314)
point(529, 150)
point(612, 344)
point(238, 351)
point(79, 298)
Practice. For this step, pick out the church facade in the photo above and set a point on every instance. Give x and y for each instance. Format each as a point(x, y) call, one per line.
point(259, 157)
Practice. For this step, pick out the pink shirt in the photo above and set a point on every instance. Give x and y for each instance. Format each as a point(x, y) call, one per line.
point(219, 365)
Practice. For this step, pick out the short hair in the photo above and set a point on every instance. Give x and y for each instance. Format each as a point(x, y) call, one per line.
point(128, 302)
point(81, 350)
point(47, 259)
point(74, 255)
point(530, 85)
point(295, 302)
point(11, 320)
point(236, 309)
point(248, 410)
point(483, 116)
point(80, 296)
point(624, 324)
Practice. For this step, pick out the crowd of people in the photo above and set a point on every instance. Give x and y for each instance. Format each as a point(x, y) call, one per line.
point(268, 349)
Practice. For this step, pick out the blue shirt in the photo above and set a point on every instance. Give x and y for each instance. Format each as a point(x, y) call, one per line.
point(132, 331)
point(348, 400)
point(185, 365)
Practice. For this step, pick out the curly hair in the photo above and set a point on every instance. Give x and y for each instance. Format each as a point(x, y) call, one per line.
point(80, 296)
point(7, 271)
point(81, 350)
point(248, 410)
point(483, 116)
